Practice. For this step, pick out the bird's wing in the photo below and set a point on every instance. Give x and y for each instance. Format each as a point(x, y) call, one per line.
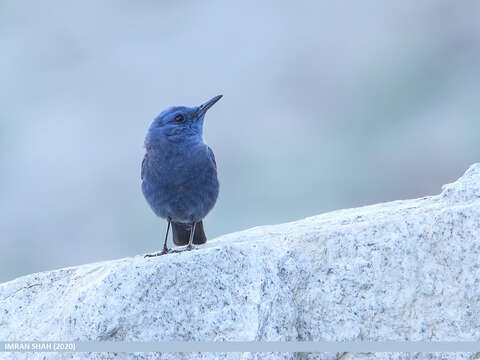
point(143, 165)
point(212, 156)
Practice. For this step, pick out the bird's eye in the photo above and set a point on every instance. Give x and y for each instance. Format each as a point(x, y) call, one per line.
point(179, 118)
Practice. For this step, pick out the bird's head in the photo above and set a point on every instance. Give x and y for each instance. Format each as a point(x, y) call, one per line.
point(179, 123)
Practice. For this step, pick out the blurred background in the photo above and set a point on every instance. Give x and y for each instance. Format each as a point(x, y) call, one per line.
point(326, 105)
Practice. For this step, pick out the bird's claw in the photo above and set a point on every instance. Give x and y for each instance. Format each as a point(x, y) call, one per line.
point(171, 251)
point(163, 252)
point(186, 248)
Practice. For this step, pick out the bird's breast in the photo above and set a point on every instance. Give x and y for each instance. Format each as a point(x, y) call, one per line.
point(180, 184)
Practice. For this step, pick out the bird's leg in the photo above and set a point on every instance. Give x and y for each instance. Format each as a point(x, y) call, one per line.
point(165, 249)
point(190, 241)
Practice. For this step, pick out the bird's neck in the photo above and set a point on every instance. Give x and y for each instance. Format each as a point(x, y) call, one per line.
point(175, 144)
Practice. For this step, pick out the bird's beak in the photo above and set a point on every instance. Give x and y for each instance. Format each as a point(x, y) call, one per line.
point(202, 109)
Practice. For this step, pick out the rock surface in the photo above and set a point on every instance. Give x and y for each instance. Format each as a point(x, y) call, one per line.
point(404, 270)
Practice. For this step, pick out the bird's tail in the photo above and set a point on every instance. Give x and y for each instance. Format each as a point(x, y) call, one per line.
point(181, 234)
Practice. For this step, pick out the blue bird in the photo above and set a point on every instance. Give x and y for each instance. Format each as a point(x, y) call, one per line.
point(179, 173)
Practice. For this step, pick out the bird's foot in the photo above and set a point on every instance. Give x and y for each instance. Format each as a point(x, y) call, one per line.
point(163, 252)
point(186, 248)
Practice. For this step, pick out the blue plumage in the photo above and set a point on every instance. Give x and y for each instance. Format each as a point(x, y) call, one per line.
point(179, 172)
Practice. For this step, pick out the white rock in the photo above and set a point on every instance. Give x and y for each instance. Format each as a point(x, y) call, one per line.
point(404, 270)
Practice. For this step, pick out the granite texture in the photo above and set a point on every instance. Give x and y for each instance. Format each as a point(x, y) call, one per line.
point(403, 270)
